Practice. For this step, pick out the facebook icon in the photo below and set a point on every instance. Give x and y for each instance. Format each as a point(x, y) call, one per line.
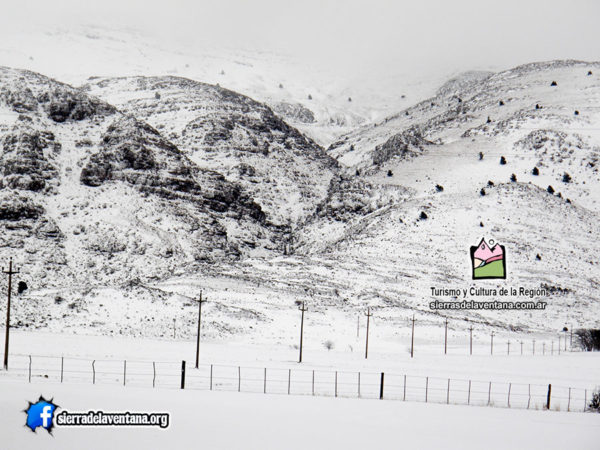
point(40, 414)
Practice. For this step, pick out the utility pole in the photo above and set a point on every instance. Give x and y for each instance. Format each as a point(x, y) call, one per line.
point(446, 337)
point(521, 342)
point(303, 309)
point(471, 340)
point(492, 344)
point(200, 301)
point(368, 314)
point(508, 349)
point(412, 339)
point(10, 272)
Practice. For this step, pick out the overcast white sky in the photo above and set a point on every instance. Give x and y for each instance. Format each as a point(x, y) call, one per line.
point(390, 35)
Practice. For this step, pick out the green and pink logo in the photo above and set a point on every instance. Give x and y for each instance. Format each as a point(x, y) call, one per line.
point(488, 261)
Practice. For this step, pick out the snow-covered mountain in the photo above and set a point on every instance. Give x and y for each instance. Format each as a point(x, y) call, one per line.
point(131, 193)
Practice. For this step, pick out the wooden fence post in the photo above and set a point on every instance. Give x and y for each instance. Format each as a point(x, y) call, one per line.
point(94, 372)
point(509, 387)
point(381, 387)
point(182, 374)
point(62, 367)
point(153, 374)
point(469, 394)
point(529, 395)
point(404, 388)
point(490, 393)
point(426, 387)
point(569, 401)
point(549, 396)
point(30, 368)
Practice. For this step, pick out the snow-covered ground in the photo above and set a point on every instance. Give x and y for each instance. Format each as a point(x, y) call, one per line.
point(223, 420)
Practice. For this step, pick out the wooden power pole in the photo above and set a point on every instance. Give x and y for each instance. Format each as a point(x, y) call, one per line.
point(368, 314)
point(10, 272)
point(303, 309)
point(412, 339)
point(471, 340)
point(446, 336)
point(200, 301)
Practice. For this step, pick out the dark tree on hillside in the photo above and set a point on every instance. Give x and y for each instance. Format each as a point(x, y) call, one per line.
point(489, 120)
point(439, 187)
point(550, 189)
point(576, 113)
point(423, 216)
point(390, 173)
point(513, 178)
point(480, 156)
point(490, 183)
point(554, 83)
point(502, 160)
point(501, 103)
point(535, 171)
point(566, 178)
point(482, 192)
point(589, 73)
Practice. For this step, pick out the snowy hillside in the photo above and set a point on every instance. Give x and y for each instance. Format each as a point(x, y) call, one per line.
point(167, 186)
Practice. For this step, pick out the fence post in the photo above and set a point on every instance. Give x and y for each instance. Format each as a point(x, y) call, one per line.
point(509, 387)
point(94, 372)
point(404, 388)
point(265, 382)
point(30, 368)
point(336, 383)
point(529, 395)
point(490, 393)
point(240, 380)
point(153, 374)
point(124, 371)
point(448, 393)
point(549, 395)
point(569, 401)
point(469, 395)
point(381, 387)
point(290, 380)
point(182, 374)
point(426, 387)
point(211, 377)
point(62, 366)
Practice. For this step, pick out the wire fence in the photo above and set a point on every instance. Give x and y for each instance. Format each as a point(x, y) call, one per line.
point(297, 381)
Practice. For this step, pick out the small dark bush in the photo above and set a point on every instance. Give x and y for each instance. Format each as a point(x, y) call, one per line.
point(502, 160)
point(550, 189)
point(309, 97)
point(566, 178)
point(538, 257)
point(21, 287)
point(157, 95)
point(480, 156)
point(481, 224)
point(537, 106)
point(594, 404)
point(535, 171)
point(554, 83)
point(439, 187)
point(588, 339)
point(390, 173)
point(349, 99)
point(423, 216)
point(500, 103)
point(513, 178)
point(490, 183)
point(482, 192)
point(576, 113)
point(589, 72)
